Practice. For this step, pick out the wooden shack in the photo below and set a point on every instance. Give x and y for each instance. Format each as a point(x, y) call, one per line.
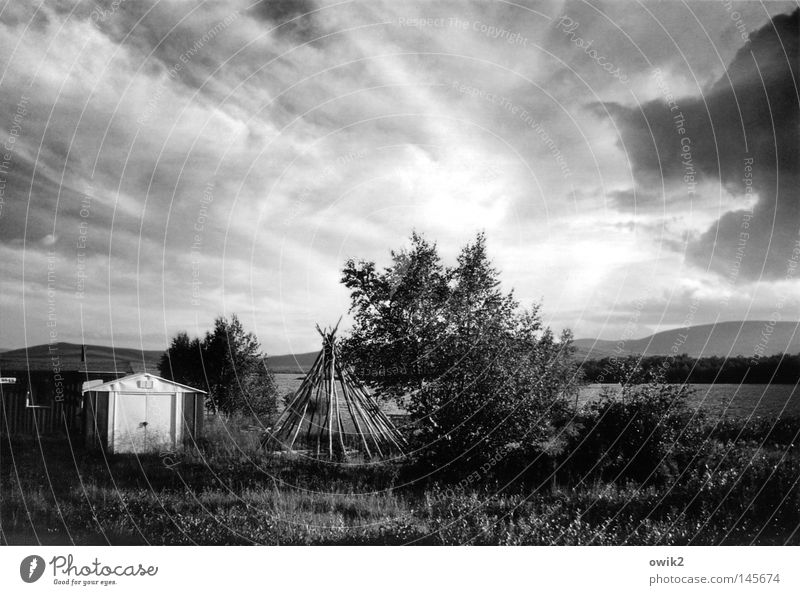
point(40, 388)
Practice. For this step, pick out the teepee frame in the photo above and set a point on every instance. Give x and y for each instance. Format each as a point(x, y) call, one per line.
point(332, 413)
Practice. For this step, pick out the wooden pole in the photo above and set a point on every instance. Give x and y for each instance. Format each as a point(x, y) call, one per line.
point(330, 402)
point(316, 402)
point(283, 422)
point(299, 425)
point(374, 432)
point(368, 417)
point(327, 409)
point(340, 429)
point(297, 400)
point(351, 410)
point(387, 427)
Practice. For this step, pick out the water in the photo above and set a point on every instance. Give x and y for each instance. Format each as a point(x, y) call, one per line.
point(287, 383)
point(745, 400)
point(731, 400)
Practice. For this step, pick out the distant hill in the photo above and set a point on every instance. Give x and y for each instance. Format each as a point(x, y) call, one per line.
point(722, 339)
point(103, 358)
point(297, 363)
point(99, 358)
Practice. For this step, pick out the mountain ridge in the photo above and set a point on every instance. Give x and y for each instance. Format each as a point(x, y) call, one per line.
point(69, 356)
point(723, 339)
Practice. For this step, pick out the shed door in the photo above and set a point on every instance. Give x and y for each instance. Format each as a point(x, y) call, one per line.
point(129, 423)
point(143, 423)
point(159, 429)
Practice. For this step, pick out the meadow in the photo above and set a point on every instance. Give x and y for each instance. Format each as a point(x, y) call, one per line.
point(733, 483)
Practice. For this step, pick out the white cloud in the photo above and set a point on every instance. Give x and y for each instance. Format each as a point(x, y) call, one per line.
point(323, 149)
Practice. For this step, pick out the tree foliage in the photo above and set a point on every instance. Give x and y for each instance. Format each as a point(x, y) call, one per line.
point(183, 361)
point(228, 363)
point(399, 316)
point(482, 377)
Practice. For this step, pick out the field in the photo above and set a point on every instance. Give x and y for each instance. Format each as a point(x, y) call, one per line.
point(729, 478)
point(739, 485)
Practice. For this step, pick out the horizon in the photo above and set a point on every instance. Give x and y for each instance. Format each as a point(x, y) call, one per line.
point(162, 167)
point(599, 339)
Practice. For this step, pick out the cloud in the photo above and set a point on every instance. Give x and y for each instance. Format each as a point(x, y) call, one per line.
point(742, 131)
point(294, 18)
point(197, 158)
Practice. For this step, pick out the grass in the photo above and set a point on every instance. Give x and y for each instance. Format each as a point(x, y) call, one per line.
point(227, 491)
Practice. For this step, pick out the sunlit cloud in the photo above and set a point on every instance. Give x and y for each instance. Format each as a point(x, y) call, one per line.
point(177, 161)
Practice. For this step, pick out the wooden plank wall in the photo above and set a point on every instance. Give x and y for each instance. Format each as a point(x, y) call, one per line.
point(16, 418)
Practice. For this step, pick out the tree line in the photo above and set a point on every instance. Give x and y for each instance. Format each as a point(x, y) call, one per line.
point(776, 369)
point(228, 363)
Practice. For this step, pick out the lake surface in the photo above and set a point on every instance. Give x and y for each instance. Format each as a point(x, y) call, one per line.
point(730, 400)
point(289, 383)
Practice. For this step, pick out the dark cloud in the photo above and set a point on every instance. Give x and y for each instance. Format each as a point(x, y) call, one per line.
point(279, 11)
point(186, 41)
point(290, 16)
point(749, 117)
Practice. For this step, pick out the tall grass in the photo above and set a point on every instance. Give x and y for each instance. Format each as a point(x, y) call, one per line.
point(226, 490)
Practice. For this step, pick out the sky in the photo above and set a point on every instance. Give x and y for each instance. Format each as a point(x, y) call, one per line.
point(634, 165)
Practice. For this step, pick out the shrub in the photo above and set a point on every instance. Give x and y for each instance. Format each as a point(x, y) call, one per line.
point(637, 434)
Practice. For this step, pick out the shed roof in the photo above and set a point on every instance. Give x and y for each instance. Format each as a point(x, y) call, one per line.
point(108, 386)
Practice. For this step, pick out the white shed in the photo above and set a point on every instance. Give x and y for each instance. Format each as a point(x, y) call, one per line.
point(141, 413)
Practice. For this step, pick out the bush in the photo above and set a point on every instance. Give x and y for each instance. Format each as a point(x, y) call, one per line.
point(635, 435)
